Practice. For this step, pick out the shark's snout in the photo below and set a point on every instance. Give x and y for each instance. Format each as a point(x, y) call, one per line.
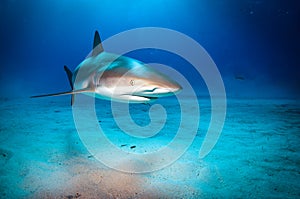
point(168, 90)
point(159, 90)
point(171, 87)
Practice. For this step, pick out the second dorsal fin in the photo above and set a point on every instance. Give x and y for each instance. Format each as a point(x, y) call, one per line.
point(97, 46)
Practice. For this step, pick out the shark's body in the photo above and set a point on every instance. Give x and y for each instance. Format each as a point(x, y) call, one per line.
point(119, 78)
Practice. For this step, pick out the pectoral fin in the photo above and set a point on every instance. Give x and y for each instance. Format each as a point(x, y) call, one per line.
point(85, 90)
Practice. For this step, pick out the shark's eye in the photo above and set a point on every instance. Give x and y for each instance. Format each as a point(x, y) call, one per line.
point(132, 82)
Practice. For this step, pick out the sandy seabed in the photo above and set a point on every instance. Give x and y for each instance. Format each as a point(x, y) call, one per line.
point(257, 155)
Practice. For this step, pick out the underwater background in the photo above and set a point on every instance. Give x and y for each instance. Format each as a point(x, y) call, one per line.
point(258, 40)
point(255, 45)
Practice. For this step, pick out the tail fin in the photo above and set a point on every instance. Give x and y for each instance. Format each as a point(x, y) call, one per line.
point(70, 76)
point(71, 92)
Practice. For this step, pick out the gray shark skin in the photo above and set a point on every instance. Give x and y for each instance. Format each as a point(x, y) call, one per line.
point(113, 77)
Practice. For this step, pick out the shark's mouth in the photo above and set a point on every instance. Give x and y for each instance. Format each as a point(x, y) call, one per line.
point(137, 98)
point(146, 96)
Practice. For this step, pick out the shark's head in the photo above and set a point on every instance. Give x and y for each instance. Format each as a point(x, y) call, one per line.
point(135, 82)
point(147, 89)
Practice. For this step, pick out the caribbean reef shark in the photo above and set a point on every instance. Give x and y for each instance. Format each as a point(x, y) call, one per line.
point(118, 78)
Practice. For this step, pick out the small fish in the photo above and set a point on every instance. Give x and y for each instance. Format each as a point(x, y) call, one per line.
point(238, 77)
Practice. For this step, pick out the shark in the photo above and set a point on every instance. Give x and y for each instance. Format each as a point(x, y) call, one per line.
point(115, 77)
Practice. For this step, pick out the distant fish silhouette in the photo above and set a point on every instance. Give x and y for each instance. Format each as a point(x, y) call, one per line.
point(119, 78)
point(239, 77)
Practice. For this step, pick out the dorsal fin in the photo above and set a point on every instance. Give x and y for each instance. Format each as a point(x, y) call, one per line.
point(97, 47)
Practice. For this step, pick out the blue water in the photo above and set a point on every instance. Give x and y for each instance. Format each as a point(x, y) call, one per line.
point(254, 39)
point(254, 43)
